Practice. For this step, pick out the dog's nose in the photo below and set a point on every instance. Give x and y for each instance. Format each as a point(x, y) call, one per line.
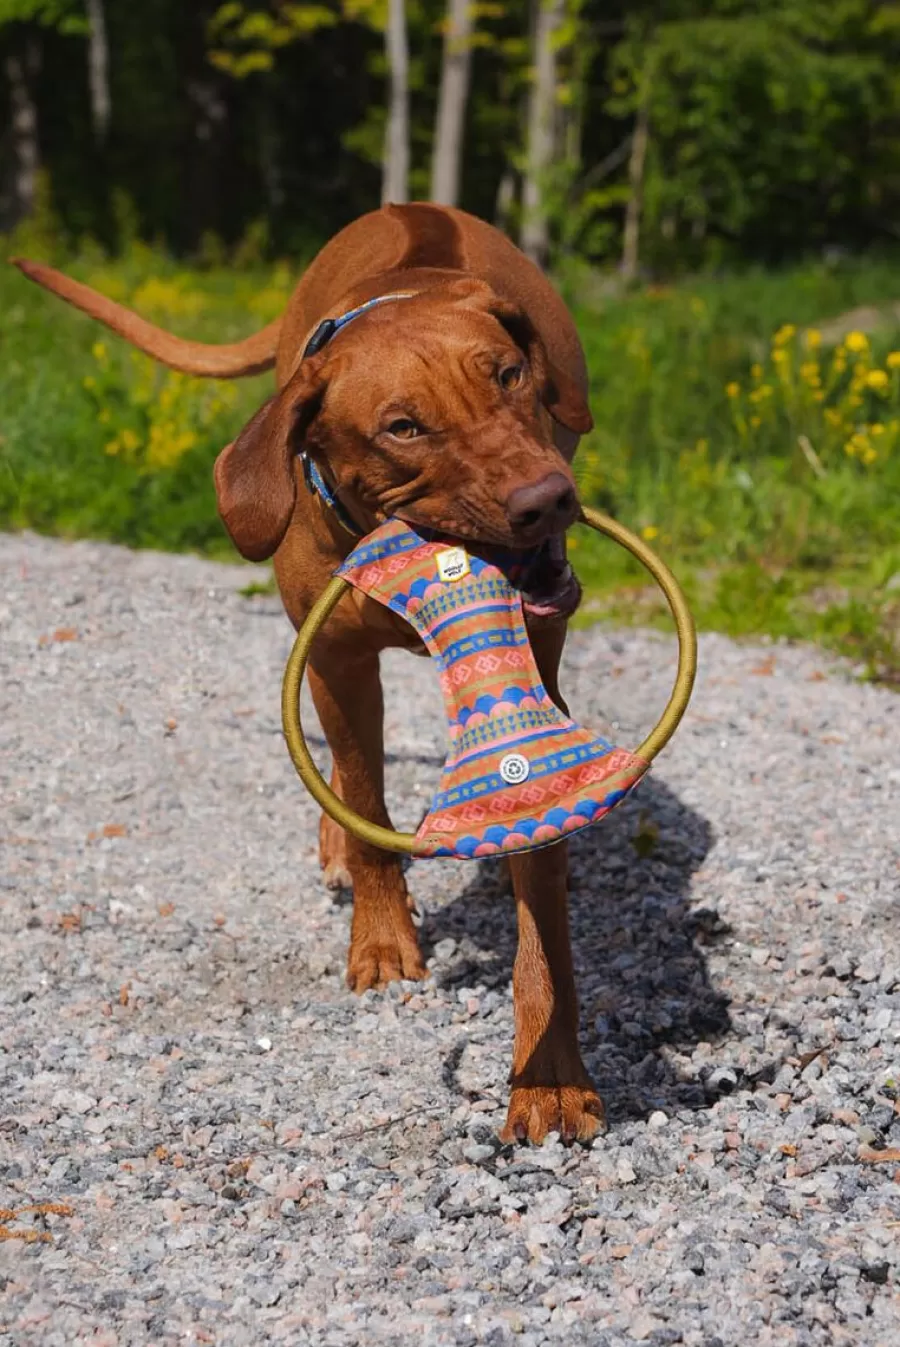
point(547, 506)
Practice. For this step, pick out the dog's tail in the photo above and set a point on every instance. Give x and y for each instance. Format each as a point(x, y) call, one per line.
point(229, 361)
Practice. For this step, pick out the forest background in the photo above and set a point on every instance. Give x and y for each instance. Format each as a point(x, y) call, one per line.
point(714, 188)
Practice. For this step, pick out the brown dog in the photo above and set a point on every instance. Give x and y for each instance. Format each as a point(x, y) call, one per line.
point(455, 402)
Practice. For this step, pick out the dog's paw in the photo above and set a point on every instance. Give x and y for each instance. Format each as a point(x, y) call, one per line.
point(374, 963)
point(575, 1112)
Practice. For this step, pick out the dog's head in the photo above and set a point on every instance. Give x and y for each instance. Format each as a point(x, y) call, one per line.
point(438, 409)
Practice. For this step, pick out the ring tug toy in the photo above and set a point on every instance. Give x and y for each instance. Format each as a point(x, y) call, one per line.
point(519, 774)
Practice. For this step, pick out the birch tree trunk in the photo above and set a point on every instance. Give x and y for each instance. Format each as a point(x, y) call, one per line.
point(98, 70)
point(22, 64)
point(636, 161)
point(395, 175)
point(451, 111)
point(505, 200)
point(535, 235)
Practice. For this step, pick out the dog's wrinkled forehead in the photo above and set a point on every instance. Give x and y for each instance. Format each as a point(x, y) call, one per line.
point(415, 350)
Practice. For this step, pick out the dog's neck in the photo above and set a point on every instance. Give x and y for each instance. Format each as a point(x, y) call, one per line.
point(321, 336)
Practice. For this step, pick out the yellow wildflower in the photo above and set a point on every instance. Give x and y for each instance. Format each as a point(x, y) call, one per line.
point(893, 360)
point(781, 356)
point(876, 429)
point(757, 370)
point(809, 371)
point(756, 422)
point(733, 389)
point(784, 335)
point(760, 394)
point(813, 339)
point(878, 380)
point(98, 351)
point(856, 341)
point(858, 446)
point(168, 297)
point(649, 532)
point(89, 382)
point(167, 444)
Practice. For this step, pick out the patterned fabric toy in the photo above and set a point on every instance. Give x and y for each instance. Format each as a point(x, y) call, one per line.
point(519, 774)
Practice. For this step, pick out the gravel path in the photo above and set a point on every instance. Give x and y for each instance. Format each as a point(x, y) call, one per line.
point(246, 1153)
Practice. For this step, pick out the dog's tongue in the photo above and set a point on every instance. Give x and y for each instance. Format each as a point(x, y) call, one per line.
point(550, 588)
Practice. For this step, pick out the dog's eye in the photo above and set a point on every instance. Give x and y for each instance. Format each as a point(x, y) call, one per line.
point(403, 429)
point(511, 377)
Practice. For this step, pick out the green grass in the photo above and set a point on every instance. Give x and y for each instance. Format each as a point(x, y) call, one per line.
point(765, 535)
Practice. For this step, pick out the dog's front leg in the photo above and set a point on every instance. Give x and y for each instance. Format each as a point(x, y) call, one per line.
point(551, 1089)
point(346, 690)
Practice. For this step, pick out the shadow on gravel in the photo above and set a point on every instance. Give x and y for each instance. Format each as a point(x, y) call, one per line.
point(639, 950)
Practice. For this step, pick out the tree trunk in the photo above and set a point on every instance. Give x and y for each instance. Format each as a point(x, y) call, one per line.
point(22, 64)
point(637, 160)
point(572, 119)
point(451, 111)
point(98, 70)
point(269, 159)
point(395, 176)
point(505, 200)
point(207, 169)
point(535, 236)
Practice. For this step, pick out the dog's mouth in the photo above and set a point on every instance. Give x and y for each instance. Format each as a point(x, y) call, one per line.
point(550, 588)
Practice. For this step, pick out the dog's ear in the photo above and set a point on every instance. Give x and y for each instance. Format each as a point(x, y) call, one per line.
point(561, 396)
point(255, 474)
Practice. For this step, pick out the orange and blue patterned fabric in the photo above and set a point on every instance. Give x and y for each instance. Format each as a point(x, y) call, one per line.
point(519, 774)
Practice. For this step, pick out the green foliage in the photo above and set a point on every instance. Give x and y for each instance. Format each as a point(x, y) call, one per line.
point(65, 15)
point(98, 441)
point(756, 113)
point(772, 123)
point(795, 538)
point(244, 40)
point(40, 235)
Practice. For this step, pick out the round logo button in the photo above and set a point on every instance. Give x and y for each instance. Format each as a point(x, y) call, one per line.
point(514, 769)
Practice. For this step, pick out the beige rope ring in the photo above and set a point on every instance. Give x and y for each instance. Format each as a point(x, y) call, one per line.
point(387, 838)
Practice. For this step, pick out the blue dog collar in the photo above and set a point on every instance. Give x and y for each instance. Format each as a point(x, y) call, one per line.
point(328, 328)
point(319, 487)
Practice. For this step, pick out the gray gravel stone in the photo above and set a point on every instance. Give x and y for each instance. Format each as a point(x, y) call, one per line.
point(238, 1151)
